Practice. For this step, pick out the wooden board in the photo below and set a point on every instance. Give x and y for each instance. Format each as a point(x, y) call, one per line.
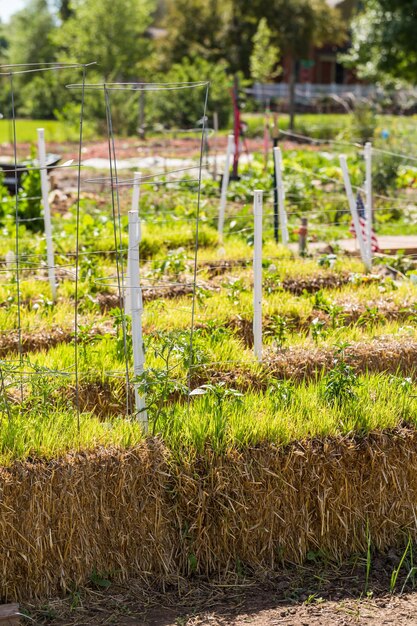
point(9, 615)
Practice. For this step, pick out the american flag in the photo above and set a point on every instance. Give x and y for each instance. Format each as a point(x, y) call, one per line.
point(360, 208)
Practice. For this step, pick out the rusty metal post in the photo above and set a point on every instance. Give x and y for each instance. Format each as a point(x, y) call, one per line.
point(302, 233)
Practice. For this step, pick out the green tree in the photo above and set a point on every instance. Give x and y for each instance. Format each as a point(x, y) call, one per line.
point(383, 41)
point(195, 28)
point(30, 35)
point(30, 40)
point(111, 33)
point(296, 26)
point(64, 9)
point(302, 25)
point(184, 108)
point(225, 29)
point(265, 55)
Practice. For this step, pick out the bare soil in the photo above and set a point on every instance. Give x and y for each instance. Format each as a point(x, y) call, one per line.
point(302, 597)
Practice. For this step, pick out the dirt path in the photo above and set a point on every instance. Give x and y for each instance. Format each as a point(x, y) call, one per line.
point(386, 610)
point(309, 596)
point(258, 610)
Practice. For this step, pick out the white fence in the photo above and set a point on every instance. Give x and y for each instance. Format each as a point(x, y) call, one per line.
point(306, 93)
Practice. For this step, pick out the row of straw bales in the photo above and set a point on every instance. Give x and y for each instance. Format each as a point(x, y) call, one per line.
point(147, 513)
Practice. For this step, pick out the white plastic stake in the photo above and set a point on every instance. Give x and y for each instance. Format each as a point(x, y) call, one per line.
point(257, 275)
point(216, 132)
point(46, 211)
point(281, 196)
point(136, 307)
point(353, 210)
point(136, 191)
point(368, 201)
point(225, 184)
point(135, 207)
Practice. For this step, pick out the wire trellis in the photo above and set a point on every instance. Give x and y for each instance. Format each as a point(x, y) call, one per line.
point(25, 265)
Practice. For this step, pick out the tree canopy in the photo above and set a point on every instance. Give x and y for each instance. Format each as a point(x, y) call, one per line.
point(265, 54)
point(383, 41)
point(226, 29)
point(29, 34)
point(227, 36)
point(109, 32)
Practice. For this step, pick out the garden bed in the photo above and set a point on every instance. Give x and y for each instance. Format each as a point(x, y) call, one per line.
point(159, 516)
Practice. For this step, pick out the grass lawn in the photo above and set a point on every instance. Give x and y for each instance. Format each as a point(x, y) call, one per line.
point(26, 131)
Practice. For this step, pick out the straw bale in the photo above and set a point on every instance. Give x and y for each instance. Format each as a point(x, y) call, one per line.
point(42, 340)
point(147, 513)
point(381, 354)
point(311, 284)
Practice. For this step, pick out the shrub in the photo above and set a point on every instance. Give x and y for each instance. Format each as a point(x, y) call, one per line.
point(364, 121)
point(184, 108)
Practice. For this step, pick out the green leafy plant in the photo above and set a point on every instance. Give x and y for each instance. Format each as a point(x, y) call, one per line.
point(220, 393)
point(100, 581)
point(327, 261)
point(158, 385)
point(364, 121)
point(371, 316)
point(341, 382)
point(86, 336)
point(29, 200)
point(278, 328)
point(281, 392)
point(317, 329)
point(404, 386)
point(234, 289)
point(122, 324)
point(174, 264)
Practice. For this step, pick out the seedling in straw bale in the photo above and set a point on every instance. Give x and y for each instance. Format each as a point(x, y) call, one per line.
point(371, 317)
point(404, 385)
point(122, 324)
point(235, 288)
point(336, 315)
point(157, 384)
point(278, 329)
point(341, 381)
point(86, 336)
point(320, 302)
point(317, 328)
point(174, 264)
point(281, 392)
point(219, 392)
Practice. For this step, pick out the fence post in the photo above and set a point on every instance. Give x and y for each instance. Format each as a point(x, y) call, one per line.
point(302, 236)
point(225, 184)
point(281, 196)
point(354, 211)
point(368, 203)
point(46, 211)
point(257, 275)
point(136, 306)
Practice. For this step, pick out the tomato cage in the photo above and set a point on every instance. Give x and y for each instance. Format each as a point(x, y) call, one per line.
point(75, 284)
